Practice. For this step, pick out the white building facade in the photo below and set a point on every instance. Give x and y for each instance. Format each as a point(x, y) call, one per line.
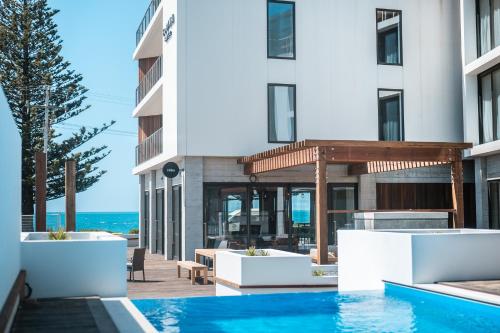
point(480, 28)
point(223, 79)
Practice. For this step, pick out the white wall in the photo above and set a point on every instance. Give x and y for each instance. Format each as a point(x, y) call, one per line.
point(222, 73)
point(10, 199)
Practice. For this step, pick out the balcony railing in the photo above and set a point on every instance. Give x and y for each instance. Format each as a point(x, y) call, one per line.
point(150, 12)
point(152, 146)
point(149, 80)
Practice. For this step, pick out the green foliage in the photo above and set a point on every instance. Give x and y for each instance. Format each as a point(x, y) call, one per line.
point(60, 234)
point(30, 60)
point(318, 272)
point(133, 231)
point(252, 252)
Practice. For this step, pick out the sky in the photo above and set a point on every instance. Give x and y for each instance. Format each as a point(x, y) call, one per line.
point(98, 40)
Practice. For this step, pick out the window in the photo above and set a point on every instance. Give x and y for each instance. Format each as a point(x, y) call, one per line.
point(488, 25)
point(390, 115)
point(389, 37)
point(489, 101)
point(281, 113)
point(280, 29)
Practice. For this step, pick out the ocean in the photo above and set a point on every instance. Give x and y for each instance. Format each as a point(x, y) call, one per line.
point(118, 222)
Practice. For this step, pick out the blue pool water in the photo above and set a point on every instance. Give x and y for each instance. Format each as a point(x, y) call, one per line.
point(397, 309)
point(120, 222)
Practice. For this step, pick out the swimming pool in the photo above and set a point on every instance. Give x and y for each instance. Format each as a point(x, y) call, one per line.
point(397, 309)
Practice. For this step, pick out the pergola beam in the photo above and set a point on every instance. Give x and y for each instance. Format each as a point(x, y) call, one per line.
point(359, 169)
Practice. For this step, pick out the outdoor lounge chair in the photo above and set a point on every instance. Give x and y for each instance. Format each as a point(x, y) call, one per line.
point(137, 263)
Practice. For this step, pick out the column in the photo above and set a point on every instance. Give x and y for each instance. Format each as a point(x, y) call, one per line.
point(40, 192)
point(192, 202)
point(142, 188)
point(70, 192)
point(321, 211)
point(457, 189)
point(152, 212)
point(367, 192)
point(167, 220)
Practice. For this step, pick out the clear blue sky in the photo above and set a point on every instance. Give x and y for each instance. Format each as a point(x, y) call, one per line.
point(99, 38)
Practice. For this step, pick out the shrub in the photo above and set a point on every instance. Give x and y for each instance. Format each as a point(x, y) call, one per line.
point(134, 231)
point(252, 252)
point(60, 234)
point(318, 272)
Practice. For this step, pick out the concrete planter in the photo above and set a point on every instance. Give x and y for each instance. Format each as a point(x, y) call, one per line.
point(89, 264)
point(279, 269)
point(366, 258)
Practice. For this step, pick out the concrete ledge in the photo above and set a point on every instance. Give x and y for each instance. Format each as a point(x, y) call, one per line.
point(127, 318)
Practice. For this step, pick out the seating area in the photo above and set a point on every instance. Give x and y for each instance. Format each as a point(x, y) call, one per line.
point(193, 268)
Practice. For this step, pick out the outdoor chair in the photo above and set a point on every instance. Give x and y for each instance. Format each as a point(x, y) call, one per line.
point(136, 263)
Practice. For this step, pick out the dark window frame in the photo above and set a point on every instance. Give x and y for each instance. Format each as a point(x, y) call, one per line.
point(294, 30)
point(401, 113)
point(494, 104)
point(269, 85)
point(400, 37)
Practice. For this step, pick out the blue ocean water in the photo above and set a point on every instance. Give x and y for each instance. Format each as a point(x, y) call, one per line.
point(119, 222)
point(397, 309)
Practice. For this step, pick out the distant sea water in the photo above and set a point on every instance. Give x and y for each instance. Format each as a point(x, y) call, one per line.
point(119, 222)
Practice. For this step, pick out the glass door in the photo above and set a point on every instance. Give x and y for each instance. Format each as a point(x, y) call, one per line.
point(343, 201)
point(494, 204)
point(302, 227)
point(146, 220)
point(160, 210)
point(226, 224)
point(176, 222)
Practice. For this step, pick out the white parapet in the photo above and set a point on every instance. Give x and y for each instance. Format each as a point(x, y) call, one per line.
point(367, 258)
point(88, 264)
point(277, 269)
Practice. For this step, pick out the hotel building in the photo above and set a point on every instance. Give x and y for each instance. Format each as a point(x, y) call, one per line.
point(223, 79)
point(481, 95)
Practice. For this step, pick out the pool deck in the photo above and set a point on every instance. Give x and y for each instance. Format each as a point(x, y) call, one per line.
point(162, 281)
point(485, 291)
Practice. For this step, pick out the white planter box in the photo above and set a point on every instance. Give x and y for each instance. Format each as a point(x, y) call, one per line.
point(89, 264)
point(366, 258)
point(280, 268)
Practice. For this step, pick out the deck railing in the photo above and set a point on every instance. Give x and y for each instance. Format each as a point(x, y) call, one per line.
point(148, 16)
point(149, 80)
point(151, 147)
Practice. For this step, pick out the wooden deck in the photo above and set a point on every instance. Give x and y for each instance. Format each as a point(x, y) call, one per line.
point(489, 286)
point(63, 315)
point(162, 281)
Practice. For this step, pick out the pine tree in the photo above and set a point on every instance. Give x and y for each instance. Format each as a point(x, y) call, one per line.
point(30, 61)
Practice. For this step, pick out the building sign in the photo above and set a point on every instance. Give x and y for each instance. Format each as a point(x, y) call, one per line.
point(167, 32)
point(170, 170)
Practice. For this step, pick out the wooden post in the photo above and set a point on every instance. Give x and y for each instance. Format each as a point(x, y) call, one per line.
point(321, 210)
point(457, 189)
point(41, 191)
point(70, 188)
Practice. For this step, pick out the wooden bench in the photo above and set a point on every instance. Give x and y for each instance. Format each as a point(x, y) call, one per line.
point(193, 268)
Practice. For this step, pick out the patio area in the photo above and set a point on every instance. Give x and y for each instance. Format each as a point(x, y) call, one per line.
point(162, 281)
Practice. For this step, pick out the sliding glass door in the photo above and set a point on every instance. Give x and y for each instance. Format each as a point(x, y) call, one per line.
point(303, 223)
point(342, 202)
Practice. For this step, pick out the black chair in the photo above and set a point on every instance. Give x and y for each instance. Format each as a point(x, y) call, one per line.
point(137, 263)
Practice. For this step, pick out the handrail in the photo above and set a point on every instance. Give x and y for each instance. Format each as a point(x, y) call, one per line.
point(151, 147)
point(148, 16)
point(153, 75)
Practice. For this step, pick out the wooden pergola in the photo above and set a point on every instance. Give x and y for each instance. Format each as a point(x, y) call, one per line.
point(362, 157)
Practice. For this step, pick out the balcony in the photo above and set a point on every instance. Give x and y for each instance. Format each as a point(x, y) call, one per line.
point(150, 79)
point(151, 147)
point(148, 16)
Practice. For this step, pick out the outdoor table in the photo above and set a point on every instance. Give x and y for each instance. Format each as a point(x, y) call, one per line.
point(207, 253)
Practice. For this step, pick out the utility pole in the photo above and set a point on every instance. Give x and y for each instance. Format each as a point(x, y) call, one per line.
point(46, 123)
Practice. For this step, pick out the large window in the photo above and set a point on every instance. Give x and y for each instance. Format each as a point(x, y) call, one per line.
point(494, 203)
point(389, 40)
point(280, 29)
point(390, 118)
point(488, 25)
point(281, 113)
point(489, 102)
